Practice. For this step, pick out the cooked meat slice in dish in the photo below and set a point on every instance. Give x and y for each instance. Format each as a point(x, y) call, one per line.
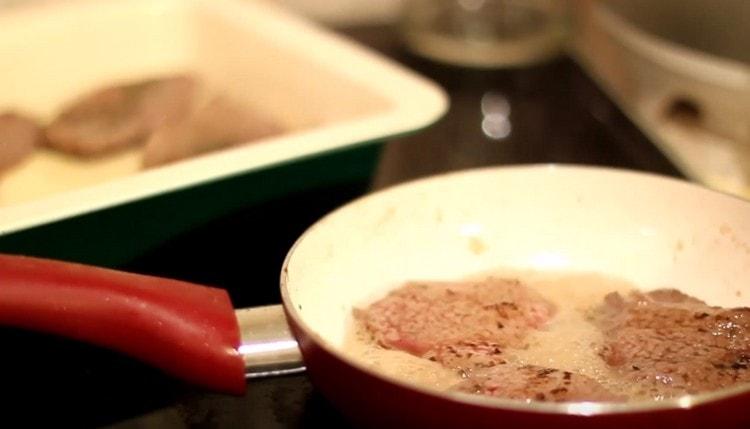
point(19, 135)
point(214, 123)
point(120, 116)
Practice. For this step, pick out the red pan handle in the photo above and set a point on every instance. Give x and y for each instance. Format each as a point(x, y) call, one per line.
point(187, 330)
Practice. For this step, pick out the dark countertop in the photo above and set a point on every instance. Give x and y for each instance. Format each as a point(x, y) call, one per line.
point(556, 115)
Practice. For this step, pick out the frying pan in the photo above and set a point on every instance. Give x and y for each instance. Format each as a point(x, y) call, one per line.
point(649, 230)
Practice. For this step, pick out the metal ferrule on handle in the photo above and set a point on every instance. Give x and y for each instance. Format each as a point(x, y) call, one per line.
point(268, 347)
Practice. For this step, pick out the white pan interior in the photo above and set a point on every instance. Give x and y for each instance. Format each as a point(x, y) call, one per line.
point(651, 231)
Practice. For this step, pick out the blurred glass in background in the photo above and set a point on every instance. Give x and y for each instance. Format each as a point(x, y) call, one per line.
point(485, 33)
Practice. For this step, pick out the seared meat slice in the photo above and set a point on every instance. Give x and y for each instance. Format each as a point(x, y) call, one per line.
point(444, 321)
point(120, 116)
point(467, 356)
point(535, 383)
point(672, 344)
point(19, 136)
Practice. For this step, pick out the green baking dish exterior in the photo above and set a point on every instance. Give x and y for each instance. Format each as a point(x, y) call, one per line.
point(114, 236)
